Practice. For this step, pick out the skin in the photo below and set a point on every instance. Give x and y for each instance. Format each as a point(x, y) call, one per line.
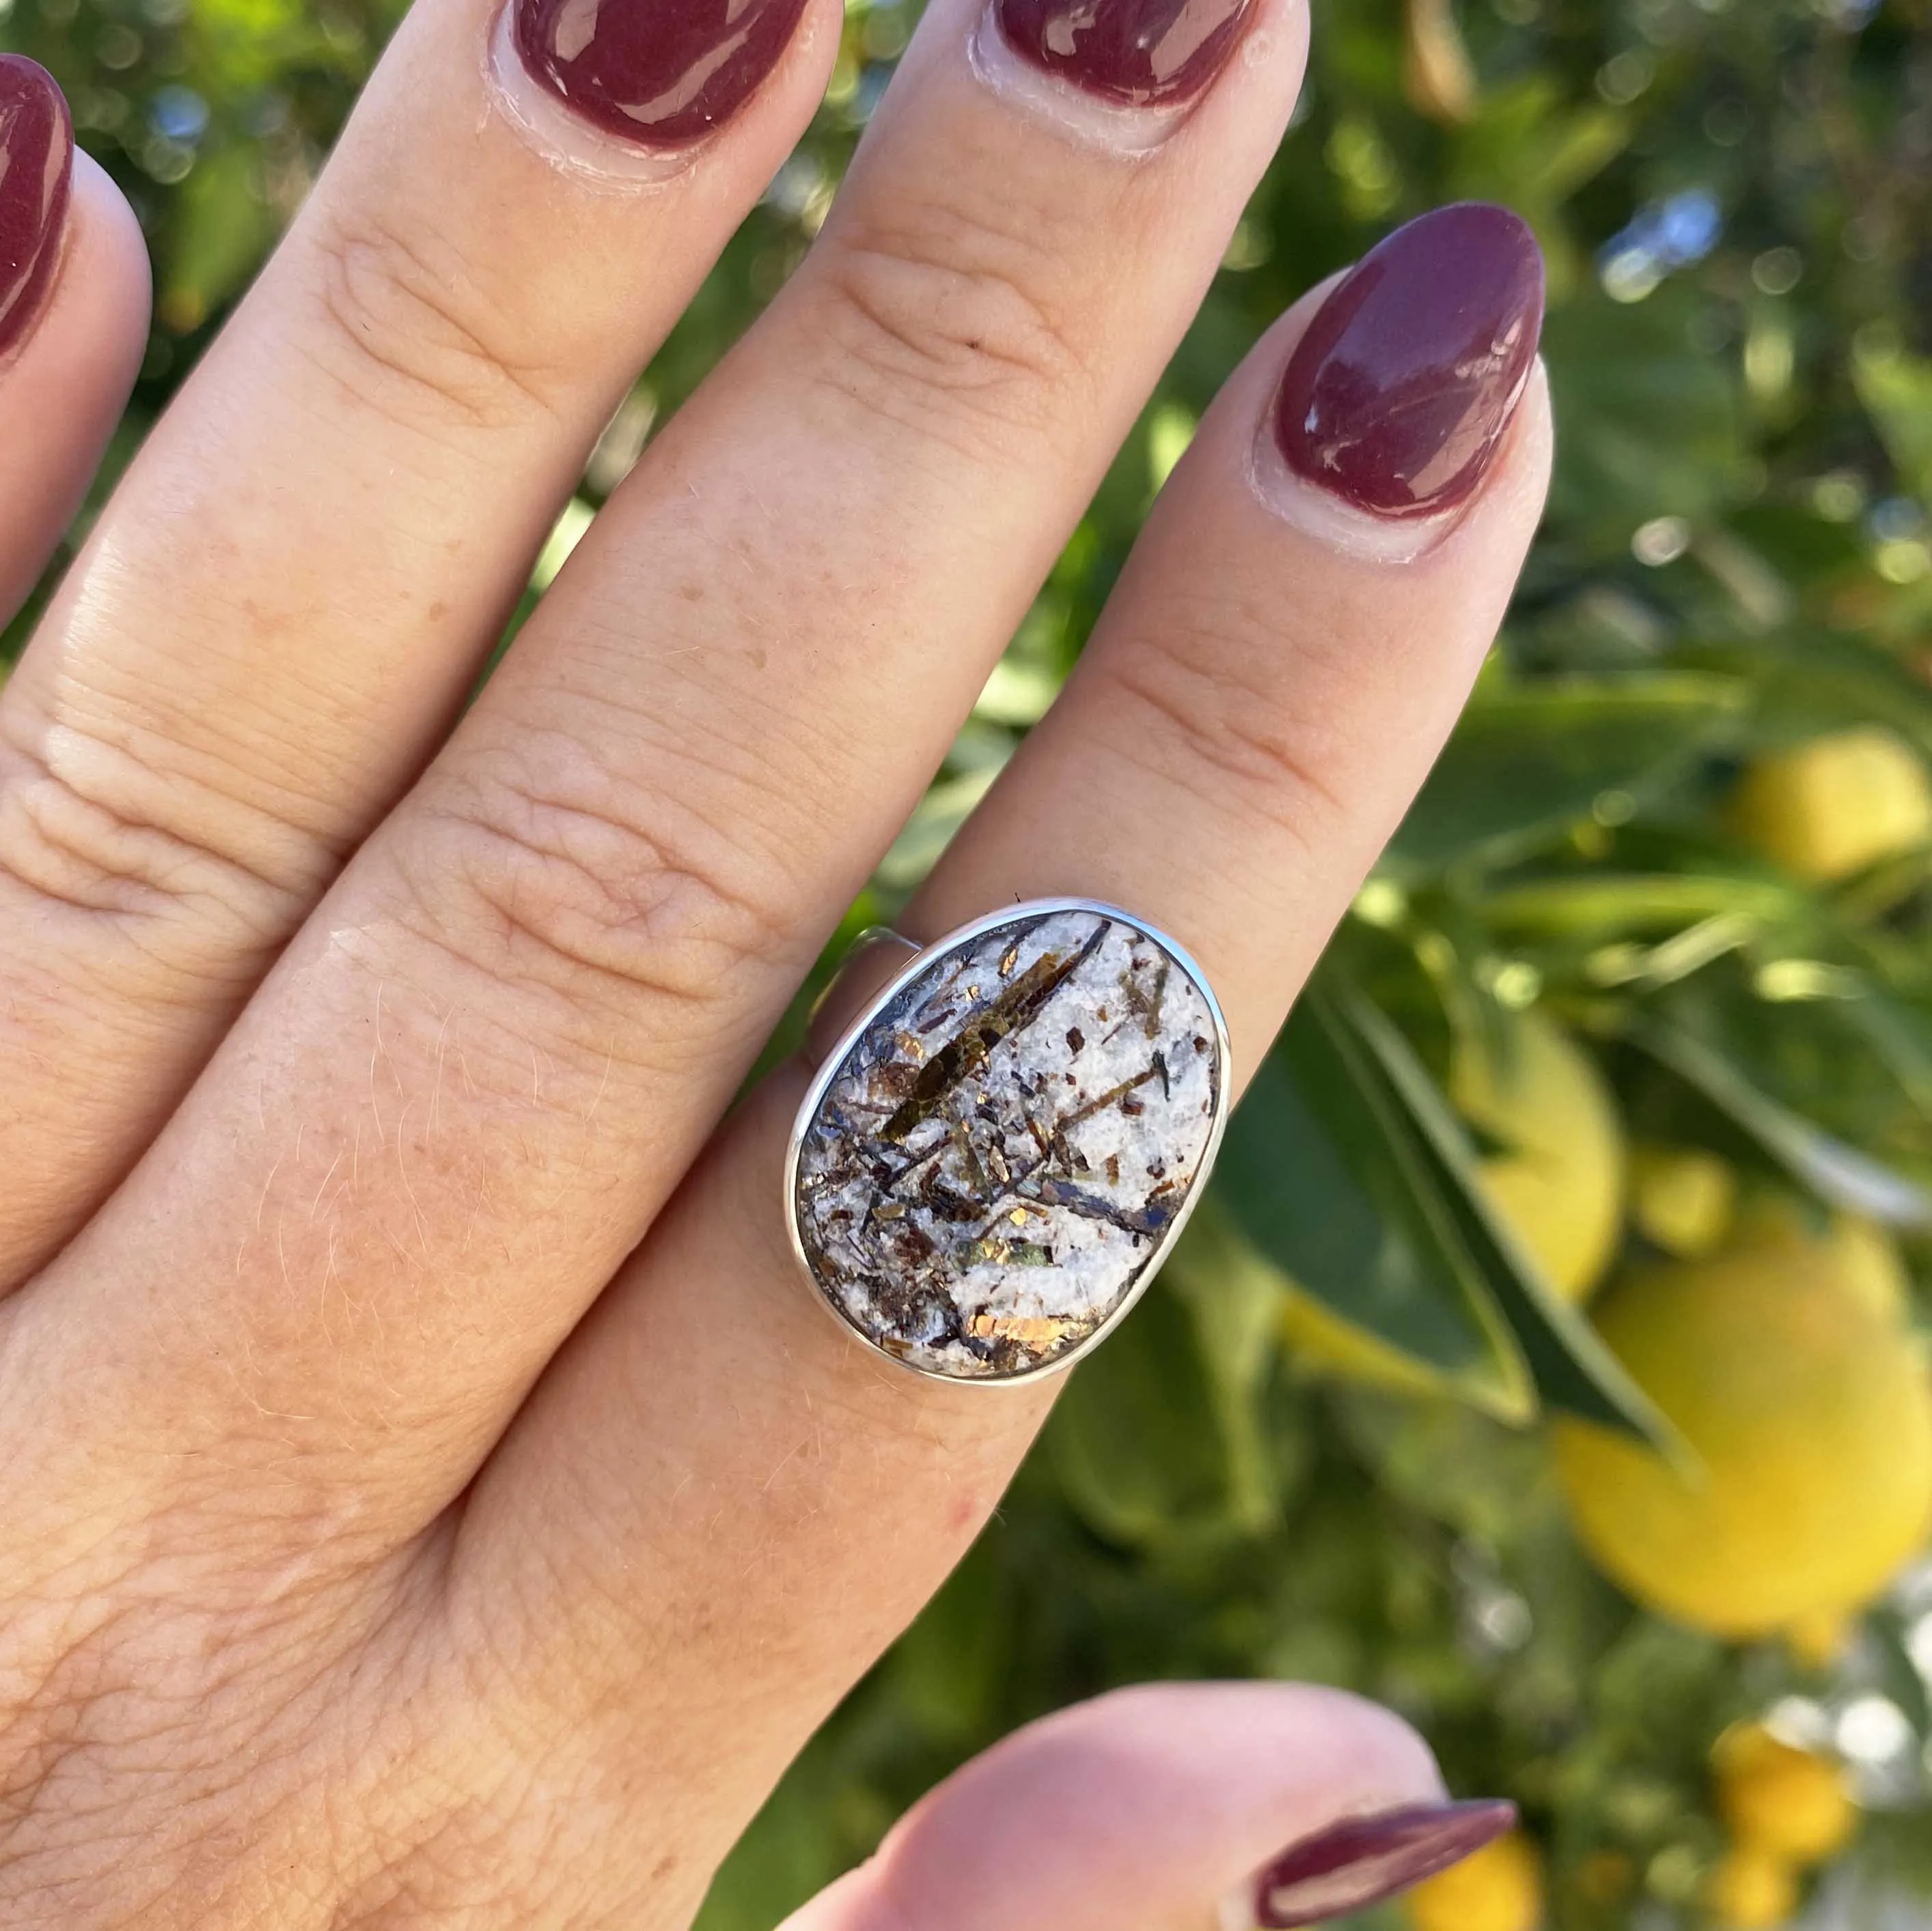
point(434, 1498)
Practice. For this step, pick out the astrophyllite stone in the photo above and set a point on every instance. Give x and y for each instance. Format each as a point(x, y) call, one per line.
point(994, 1164)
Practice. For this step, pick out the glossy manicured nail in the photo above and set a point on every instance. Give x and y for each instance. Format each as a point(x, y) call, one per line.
point(1134, 53)
point(1396, 398)
point(36, 171)
point(1361, 1861)
point(663, 73)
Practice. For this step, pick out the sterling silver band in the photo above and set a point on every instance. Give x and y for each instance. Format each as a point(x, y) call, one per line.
point(875, 956)
point(1007, 1129)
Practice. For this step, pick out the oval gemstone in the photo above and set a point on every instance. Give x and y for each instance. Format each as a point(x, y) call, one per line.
point(995, 1164)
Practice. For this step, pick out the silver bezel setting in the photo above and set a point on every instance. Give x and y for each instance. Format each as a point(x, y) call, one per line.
point(836, 1056)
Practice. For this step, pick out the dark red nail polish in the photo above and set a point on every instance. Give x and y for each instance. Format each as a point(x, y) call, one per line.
point(1396, 398)
point(661, 72)
point(36, 171)
point(1362, 1861)
point(1137, 53)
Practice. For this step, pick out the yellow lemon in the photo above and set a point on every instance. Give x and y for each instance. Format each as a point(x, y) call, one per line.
point(1751, 1889)
point(1831, 806)
point(1791, 1802)
point(1682, 1198)
point(1856, 1256)
point(1557, 1180)
point(1871, 1266)
point(1808, 1414)
point(1498, 1889)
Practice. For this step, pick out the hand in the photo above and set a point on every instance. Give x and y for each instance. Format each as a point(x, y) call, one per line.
point(432, 1496)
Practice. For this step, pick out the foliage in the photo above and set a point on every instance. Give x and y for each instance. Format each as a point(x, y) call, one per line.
point(1733, 199)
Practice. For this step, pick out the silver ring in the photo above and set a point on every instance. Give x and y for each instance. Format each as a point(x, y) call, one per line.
point(1008, 1129)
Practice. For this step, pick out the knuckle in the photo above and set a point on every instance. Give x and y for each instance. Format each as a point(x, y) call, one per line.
point(583, 885)
point(90, 826)
point(412, 330)
point(950, 314)
point(1215, 717)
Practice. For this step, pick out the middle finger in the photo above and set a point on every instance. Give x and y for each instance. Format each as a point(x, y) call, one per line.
point(552, 966)
point(286, 597)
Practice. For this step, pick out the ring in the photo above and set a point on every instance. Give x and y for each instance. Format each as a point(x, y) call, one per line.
point(1007, 1129)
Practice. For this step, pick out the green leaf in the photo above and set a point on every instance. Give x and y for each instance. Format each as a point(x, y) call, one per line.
point(1896, 389)
point(932, 827)
point(1806, 681)
point(1516, 121)
point(1900, 1037)
point(1837, 1173)
point(1599, 906)
point(1651, 425)
point(1527, 764)
point(950, 1667)
point(1135, 1439)
point(1900, 1676)
point(1579, 147)
point(222, 228)
point(1321, 1173)
point(1573, 1370)
point(1236, 1299)
point(1526, 148)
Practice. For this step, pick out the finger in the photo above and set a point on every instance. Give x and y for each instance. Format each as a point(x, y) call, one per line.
point(711, 1476)
point(369, 458)
point(73, 321)
point(558, 959)
point(1170, 1808)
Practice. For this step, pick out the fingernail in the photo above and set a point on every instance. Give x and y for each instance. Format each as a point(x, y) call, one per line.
point(1136, 53)
point(36, 171)
point(1395, 400)
point(1362, 1861)
point(662, 73)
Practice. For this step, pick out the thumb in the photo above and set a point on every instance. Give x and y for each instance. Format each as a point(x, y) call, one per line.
point(1175, 1807)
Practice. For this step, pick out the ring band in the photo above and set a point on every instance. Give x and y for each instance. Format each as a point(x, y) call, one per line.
point(1007, 1129)
point(876, 955)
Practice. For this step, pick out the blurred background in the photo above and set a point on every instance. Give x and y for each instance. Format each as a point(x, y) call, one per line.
point(1548, 1361)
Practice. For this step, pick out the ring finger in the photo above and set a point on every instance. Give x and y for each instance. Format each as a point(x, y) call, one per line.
point(714, 1493)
